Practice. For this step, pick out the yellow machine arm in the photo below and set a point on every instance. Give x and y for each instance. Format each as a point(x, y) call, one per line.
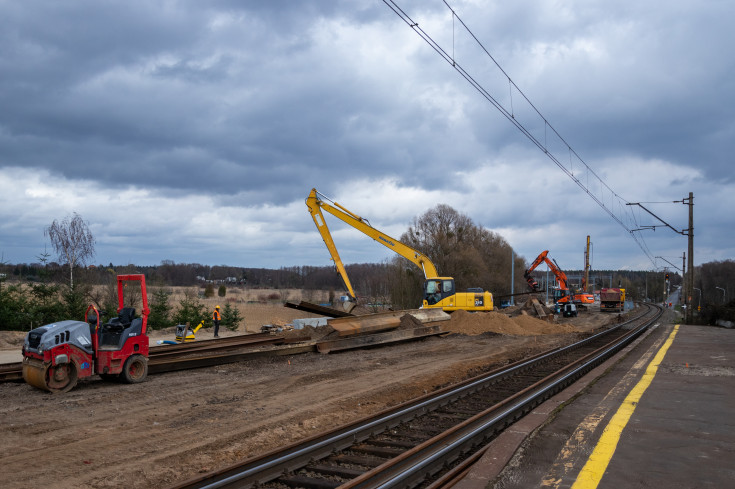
point(316, 202)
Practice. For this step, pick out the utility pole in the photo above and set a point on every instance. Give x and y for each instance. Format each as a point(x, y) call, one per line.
point(512, 274)
point(587, 266)
point(686, 232)
point(690, 282)
point(683, 282)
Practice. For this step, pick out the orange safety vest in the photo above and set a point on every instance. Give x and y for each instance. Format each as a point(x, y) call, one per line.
point(216, 316)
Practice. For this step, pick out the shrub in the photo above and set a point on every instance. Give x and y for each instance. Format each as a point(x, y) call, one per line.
point(46, 307)
point(209, 291)
point(14, 307)
point(190, 311)
point(160, 315)
point(230, 317)
point(222, 291)
point(76, 300)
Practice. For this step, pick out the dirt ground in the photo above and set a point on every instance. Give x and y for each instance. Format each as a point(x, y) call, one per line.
point(178, 424)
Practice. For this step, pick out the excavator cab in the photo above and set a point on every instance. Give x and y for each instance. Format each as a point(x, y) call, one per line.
point(440, 292)
point(437, 289)
point(562, 296)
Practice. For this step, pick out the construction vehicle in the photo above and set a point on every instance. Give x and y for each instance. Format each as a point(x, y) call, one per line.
point(562, 294)
point(569, 310)
point(439, 292)
point(57, 355)
point(612, 299)
point(184, 334)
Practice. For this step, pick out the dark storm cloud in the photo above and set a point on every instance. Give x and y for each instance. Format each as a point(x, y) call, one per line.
point(182, 102)
point(242, 107)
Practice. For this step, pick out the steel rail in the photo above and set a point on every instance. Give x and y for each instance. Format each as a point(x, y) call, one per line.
point(414, 466)
point(274, 464)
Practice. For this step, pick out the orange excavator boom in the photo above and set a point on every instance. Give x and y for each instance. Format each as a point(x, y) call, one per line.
point(561, 277)
point(564, 294)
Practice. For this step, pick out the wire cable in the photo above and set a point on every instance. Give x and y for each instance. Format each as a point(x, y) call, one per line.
point(622, 216)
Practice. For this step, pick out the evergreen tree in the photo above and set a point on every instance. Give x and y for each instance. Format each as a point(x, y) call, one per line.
point(160, 315)
point(230, 317)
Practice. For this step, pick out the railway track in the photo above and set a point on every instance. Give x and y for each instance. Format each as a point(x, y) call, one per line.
point(202, 353)
point(426, 442)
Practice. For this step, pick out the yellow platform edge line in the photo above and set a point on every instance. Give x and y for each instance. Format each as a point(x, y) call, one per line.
point(591, 474)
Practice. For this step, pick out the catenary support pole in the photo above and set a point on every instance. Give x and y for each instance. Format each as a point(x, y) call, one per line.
point(512, 275)
point(690, 282)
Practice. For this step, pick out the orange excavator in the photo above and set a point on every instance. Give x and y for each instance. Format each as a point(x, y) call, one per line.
point(563, 294)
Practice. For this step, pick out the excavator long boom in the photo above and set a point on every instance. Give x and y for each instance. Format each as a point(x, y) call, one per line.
point(317, 201)
point(561, 277)
point(564, 293)
point(439, 292)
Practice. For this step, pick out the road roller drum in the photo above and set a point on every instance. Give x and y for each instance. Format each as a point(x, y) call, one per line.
point(53, 378)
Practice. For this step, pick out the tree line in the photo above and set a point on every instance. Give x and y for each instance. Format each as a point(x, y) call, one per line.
point(470, 253)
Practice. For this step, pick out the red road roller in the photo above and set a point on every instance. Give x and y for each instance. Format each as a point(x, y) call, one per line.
point(57, 355)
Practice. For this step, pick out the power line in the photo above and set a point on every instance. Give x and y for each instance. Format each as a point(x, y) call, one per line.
point(617, 208)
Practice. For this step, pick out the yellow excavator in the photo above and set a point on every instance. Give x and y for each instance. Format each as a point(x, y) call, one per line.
point(439, 292)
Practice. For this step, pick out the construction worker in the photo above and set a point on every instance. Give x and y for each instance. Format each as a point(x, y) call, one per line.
point(216, 317)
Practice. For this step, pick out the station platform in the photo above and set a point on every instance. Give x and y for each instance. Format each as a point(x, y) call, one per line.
point(661, 413)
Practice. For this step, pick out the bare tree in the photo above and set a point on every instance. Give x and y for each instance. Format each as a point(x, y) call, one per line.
point(73, 242)
point(459, 248)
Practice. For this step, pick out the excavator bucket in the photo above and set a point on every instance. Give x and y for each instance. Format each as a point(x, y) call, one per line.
point(348, 306)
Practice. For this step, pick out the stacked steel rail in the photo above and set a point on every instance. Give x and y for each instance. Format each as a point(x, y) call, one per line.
point(414, 443)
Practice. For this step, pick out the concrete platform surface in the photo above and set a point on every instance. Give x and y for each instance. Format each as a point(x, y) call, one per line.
point(660, 414)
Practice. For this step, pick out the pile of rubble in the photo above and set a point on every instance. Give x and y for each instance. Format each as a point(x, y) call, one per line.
point(532, 307)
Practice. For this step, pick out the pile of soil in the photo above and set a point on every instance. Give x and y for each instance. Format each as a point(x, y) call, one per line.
point(361, 310)
point(410, 322)
point(463, 322)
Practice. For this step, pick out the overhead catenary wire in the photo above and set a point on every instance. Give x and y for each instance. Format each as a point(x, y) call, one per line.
point(623, 216)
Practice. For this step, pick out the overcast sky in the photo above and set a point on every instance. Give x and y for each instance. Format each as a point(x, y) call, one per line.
point(193, 131)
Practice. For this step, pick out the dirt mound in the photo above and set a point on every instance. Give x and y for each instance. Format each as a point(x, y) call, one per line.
point(410, 322)
point(361, 310)
point(9, 340)
point(468, 323)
